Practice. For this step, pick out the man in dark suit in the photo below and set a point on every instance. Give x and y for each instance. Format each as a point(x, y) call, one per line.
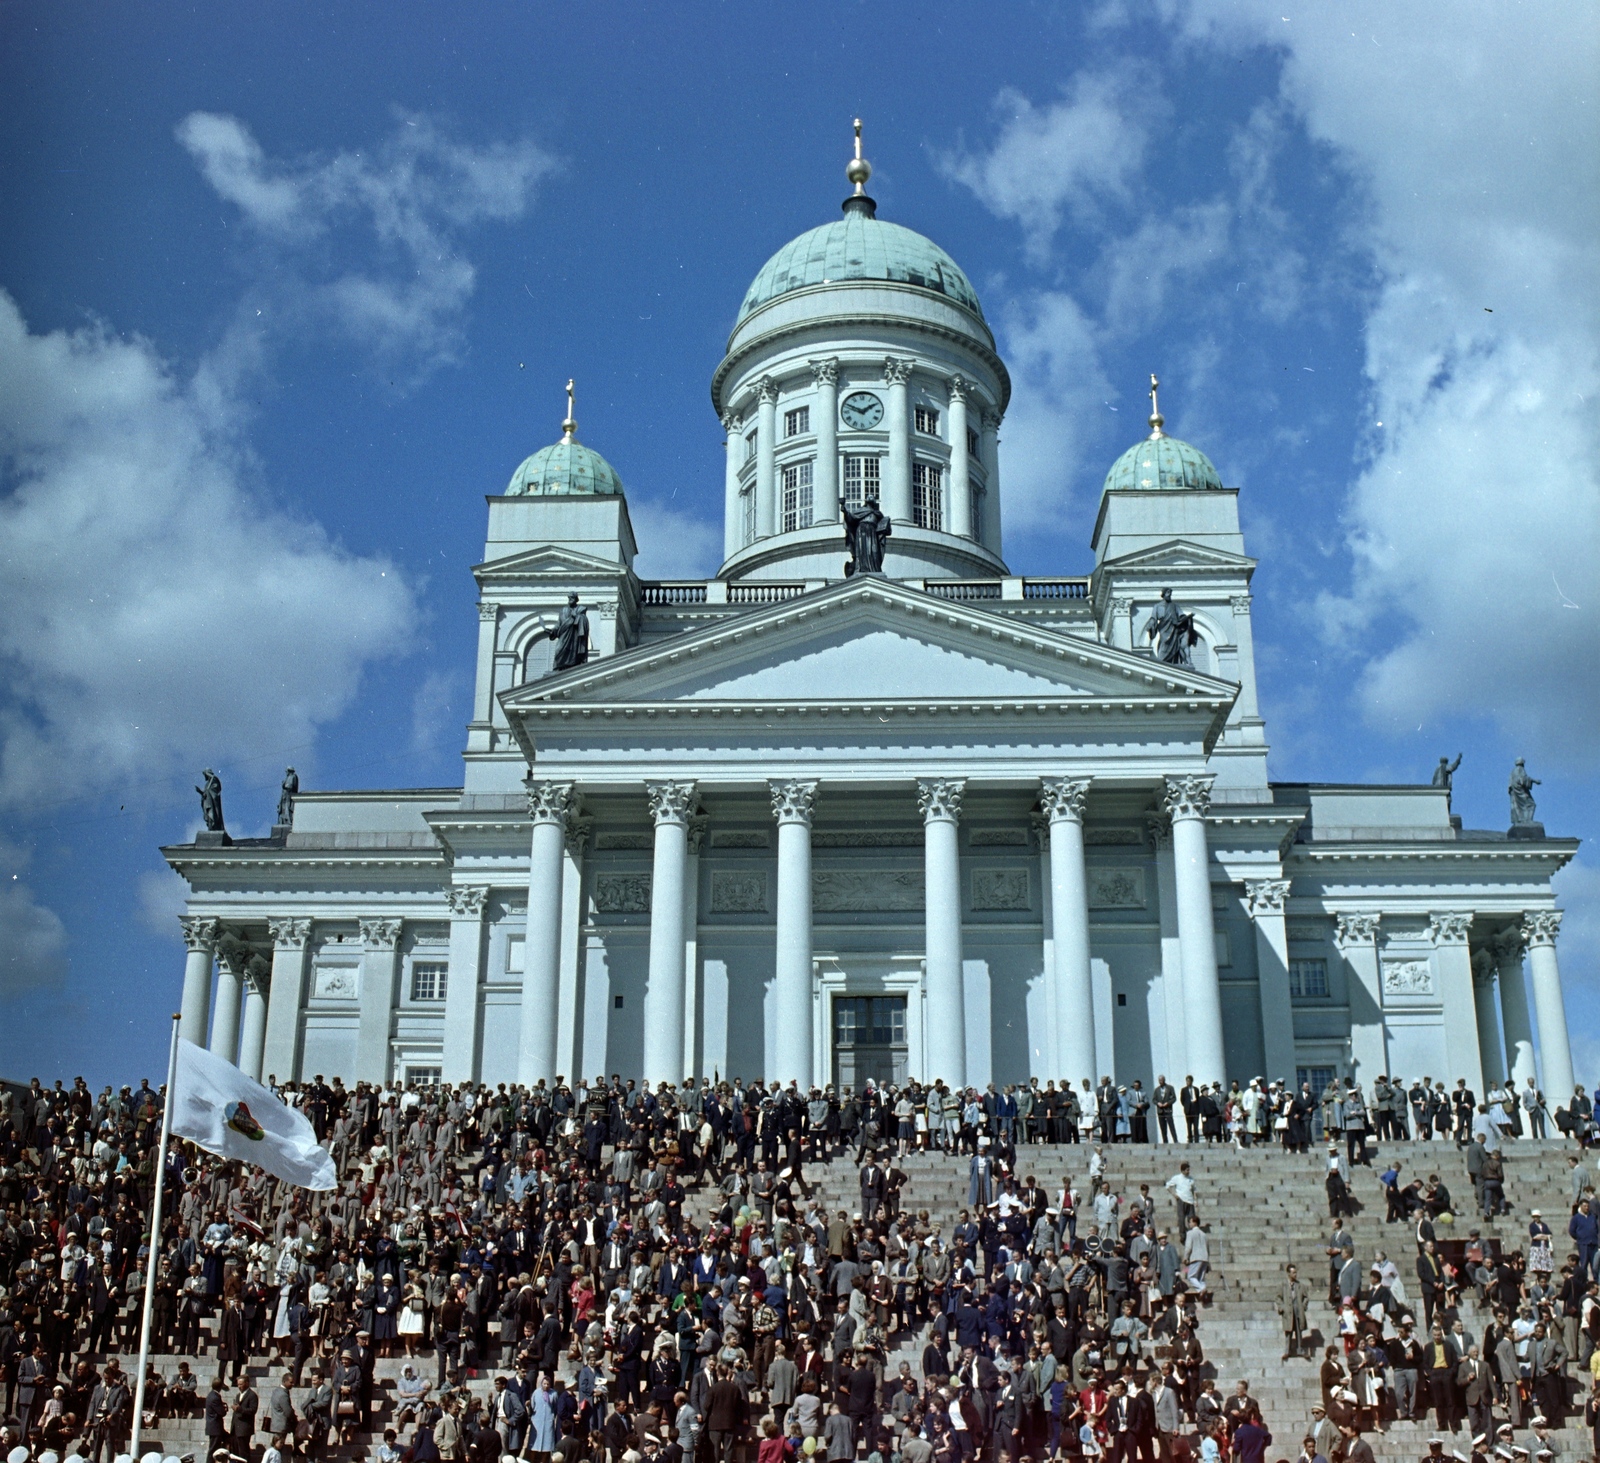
point(725, 1414)
point(1476, 1389)
point(216, 1417)
point(1189, 1100)
point(242, 1420)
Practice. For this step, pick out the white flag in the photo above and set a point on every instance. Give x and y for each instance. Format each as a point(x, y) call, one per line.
point(233, 1116)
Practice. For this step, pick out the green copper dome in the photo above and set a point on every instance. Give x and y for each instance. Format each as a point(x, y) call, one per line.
point(1161, 462)
point(859, 246)
point(562, 470)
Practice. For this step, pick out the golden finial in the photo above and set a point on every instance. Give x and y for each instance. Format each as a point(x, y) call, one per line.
point(570, 426)
point(858, 169)
point(1156, 419)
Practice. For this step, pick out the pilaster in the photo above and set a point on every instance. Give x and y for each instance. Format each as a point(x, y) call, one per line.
point(291, 948)
point(1267, 899)
point(462, 995)
point(380, 969)
point(1356, 935)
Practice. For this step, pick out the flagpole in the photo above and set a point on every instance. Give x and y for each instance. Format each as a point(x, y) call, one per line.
point(155, 1241)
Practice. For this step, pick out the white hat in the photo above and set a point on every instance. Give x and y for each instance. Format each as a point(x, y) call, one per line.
point(18, 1455)
point(1538, 1422)
point(153, 1456)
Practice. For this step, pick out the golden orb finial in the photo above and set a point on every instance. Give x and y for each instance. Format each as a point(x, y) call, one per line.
point(570, 426)
point(1157, 421)
point(858, 169)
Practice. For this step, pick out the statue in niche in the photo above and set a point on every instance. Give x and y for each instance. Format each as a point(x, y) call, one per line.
point(1173, 632)
point(1442, 775)
point(571, 635)
point(211, 800)
point(286, 795)
point(865, 530)
point(1521, 790)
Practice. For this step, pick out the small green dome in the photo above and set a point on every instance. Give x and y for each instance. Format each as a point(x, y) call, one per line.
point(1161, 462)
point(859, 246)
point(564, 469)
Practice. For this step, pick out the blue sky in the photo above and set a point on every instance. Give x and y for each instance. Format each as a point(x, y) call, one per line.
point(286, 292)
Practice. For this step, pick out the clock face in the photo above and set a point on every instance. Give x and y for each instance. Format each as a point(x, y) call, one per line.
point(862, 411)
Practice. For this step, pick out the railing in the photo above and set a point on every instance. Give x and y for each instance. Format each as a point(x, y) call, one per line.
point(762, 594)
point(1055, 589)
point(660, 593)
point(964, 589)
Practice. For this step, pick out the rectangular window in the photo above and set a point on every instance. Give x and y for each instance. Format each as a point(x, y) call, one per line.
point(977, 513)
point(428, 981)
point(928, 420)
point(750, 447)
point(860, 480)
point(747, 506)
point(1308, 978)
point(927, 495)
point(797, 423)
point(796, 497)
point(1319, 1079)
point(424, 1076)
point(972, 443)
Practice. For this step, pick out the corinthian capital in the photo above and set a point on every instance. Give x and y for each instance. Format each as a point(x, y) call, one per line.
point(825, 373)
point(1450, 928)
point(766, 390)
point(1539, 928)
point(896, 372)
point(1064, 798)
point(959, 388)
point(1265, 896)
point(731, 421)
point(1356, 929)
point(380, 934)
point(792, 801)
point(547, 801)
point(1188, 797)
point(467, 900)
point(199, 932)
point(940, 797)
point(670, 802)
point(289, 934)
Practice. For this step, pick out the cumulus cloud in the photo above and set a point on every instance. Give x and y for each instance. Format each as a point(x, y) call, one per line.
point(1067, 159)
point(407, 200)
point(673, 544)
point(1474, 521)
point(158, 614)
point(33, 943)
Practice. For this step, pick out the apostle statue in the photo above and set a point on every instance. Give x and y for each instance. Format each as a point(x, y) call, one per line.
point(571, 635)
point(1521, 790)
point(286, 795)
point(865, 529)
point(1172, 630)
point(211, 800)
point(1443, 773)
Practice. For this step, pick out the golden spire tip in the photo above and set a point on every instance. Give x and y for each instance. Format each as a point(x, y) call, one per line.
point(1157, 421)
point(570, 426)
point(858, 169)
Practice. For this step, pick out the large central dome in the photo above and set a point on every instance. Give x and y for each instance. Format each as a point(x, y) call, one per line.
point(859, 246)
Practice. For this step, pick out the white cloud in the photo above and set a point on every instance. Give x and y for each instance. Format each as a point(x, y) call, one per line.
point(673, 544)
point(158, 614)
point(161, 896)
point(1069, 158)
point(409, 198)
point(33, 943)
point(434, 719)
point(1475, 523)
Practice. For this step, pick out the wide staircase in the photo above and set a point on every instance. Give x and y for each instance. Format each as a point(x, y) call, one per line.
point(1263, 1209)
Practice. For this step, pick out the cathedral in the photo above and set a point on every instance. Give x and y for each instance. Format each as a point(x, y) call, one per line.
point(866, 805)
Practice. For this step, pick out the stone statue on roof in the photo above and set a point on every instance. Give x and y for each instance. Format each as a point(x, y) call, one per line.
point(1173, 632)
point(865, 530)
point(210, 792)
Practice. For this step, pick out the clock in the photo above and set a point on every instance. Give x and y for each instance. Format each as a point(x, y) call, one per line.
point(861, 410)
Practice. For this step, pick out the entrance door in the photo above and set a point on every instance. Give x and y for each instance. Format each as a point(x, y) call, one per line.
point(869, 1040)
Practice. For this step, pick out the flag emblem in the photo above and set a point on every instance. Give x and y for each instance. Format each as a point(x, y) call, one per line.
point(237, 1116)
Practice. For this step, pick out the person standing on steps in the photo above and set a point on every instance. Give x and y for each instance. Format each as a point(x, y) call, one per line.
point(1189, 1100)
point(1181, 1185)
point(1292, 1309)
point(1164, 1096)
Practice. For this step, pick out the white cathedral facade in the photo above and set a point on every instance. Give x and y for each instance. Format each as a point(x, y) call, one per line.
point(941, 822)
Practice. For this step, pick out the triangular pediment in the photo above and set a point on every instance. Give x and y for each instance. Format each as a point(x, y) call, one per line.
point(1179, 553)
point(869, 641)
point(546, 559)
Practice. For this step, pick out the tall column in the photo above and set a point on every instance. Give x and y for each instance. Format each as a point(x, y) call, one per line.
point(1064, 800)
point(1186, 801)
point(939, 800)
point(825, 411)
point(1244, 638)
point(570, 1004)
point(896, 485)
point(541, 942)
point(380, 968)
point(1491, 1050)
point(230, 1000)
point(766, 456)
point(691, 948)
point(459, 1059)
point(1357, 937)
point(989, 531)
point(732, 518)
point(200, 941)
point(791, 806)
point(1452, 962)
point(670, 804)
point(960, 462)
point(1549, 1008)
point(253, 1040)
point(286, 998)
point(1507, 951)
point(1267, 900)
point(1176, 1065)
point(1044, 1056)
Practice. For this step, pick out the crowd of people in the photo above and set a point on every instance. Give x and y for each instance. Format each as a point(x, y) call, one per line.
point(617, 1273)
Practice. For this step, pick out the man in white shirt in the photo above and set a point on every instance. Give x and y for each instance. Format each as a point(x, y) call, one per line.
point(1181, 1185)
